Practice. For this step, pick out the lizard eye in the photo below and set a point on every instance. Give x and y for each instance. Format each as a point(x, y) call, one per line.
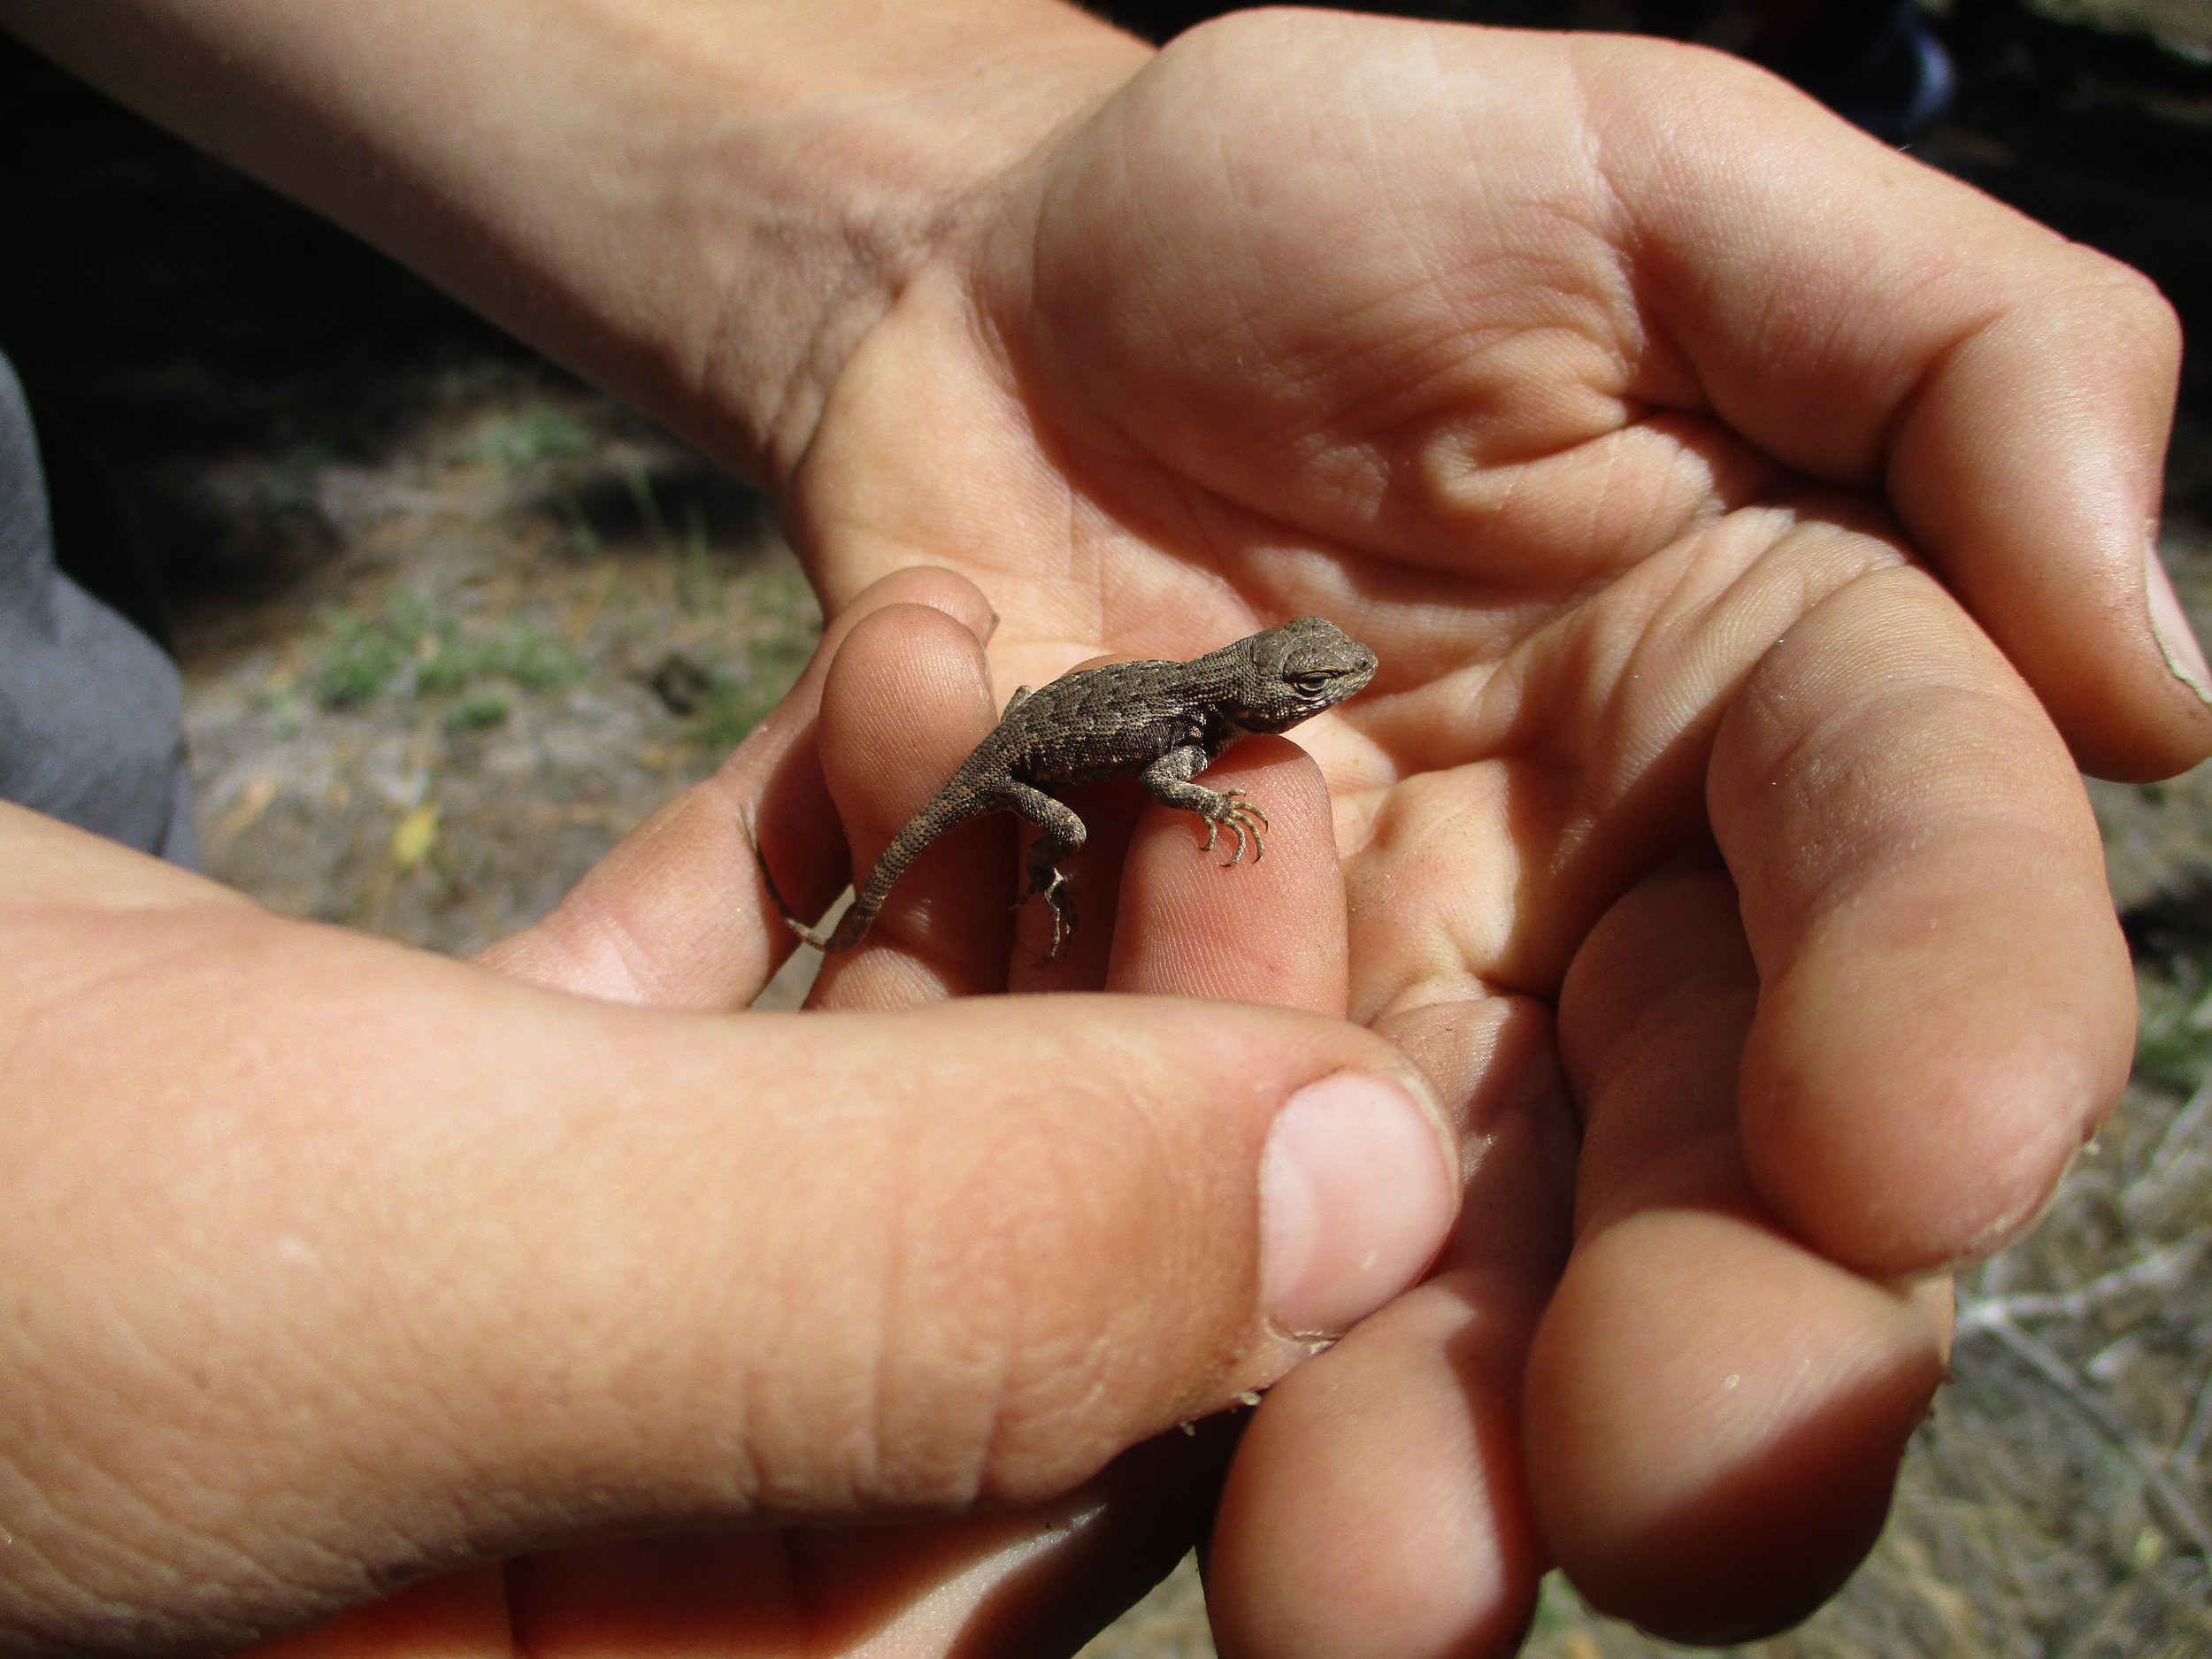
point(1310, 685)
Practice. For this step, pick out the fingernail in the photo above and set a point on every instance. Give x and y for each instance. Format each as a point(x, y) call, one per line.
point(2177, 641)
point(1357, 1193)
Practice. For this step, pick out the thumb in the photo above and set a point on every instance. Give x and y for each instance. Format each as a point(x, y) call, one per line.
point(412, 1265)
point(989, 1246)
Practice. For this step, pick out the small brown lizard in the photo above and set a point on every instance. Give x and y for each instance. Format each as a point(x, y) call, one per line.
point(1165, 722)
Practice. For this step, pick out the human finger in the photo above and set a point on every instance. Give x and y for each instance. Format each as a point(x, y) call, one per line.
point(907, 699)
point(1715, 1412)
point(1036, 1581)
point(782, 1268)
point(1272, 932)
point(1946, 1008)
point(1269, 928)
point(1871, 321)
point(1378, 1503)
point(676, 915)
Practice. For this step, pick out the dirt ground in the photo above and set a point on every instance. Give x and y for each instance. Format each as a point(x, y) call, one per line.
point(451, 623)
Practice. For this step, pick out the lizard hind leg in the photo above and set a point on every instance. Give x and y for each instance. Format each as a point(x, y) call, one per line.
point(1060, 835)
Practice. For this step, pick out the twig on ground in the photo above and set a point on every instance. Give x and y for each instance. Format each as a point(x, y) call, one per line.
point(2163, 1270)
point(2046, 1363)
point(2178, 1156)
point(2190, 1446)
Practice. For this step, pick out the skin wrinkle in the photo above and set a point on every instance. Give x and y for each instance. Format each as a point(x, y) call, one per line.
point(1248, 323)
point(1613, 230)
point(1722, 611)
point(1658, 523)
point(1628, 553)
point(358, 1402)
point(172, 951)
point(113, 1546)
point(863, 301)
point(987, 1419)
point(1014, 380)
point(1080, 532)
point(1223, 548)
point(1881, 453)
point(1447, 957)
point(919, 1475)
point(1865, 855)
point(617, 943)
point(1250, 550)
point(1434, 356)
point(1430, 275)
point(1124, 434)
point(1842, 874)
point(93, 1485)
point(1936, 369)
point(35, 1575)
point(1077, 1374)
point(1689, 608)
point(1072, 1372)
point(867, 1472)
point(777, 1409)
point(1935, 363)
point(881, 261)
point(1015, 1396)
point(1447, 991)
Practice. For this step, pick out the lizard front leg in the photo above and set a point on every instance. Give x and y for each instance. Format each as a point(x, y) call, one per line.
point(1168, 780)
point(1060, 835)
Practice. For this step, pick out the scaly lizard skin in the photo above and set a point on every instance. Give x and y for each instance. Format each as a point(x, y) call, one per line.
point(1165, 722)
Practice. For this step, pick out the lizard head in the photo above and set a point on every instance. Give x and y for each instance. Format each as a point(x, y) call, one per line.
point(1298, 669)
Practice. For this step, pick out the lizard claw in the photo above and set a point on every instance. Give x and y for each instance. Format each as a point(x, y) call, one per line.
point(1059, 905)
point(1246, 821)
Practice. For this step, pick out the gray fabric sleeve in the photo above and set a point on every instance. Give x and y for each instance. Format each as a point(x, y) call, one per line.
point(91, 711)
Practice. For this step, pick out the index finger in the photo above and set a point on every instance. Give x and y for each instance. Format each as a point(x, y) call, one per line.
point(1873, 322)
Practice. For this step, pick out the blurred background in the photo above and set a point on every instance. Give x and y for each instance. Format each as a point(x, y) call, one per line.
point(450, 622)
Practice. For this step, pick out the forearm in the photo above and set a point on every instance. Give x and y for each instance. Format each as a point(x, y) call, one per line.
point(699, 204)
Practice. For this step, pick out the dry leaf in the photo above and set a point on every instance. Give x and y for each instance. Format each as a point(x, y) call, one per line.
point(414, 835)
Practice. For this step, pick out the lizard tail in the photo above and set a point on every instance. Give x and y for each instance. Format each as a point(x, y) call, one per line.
point(818, 940)
point(952, 806)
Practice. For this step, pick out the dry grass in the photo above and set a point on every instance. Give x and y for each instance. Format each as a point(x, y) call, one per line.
point(528, 625)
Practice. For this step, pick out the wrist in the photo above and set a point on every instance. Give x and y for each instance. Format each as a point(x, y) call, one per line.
point(702, 204)
point(850, 187)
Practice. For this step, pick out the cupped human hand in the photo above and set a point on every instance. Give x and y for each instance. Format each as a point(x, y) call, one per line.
point(862, 1320)
point(1754, 527)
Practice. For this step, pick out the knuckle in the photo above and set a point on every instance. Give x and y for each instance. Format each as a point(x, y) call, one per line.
point(1017, 1359)
point(2126, 304)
